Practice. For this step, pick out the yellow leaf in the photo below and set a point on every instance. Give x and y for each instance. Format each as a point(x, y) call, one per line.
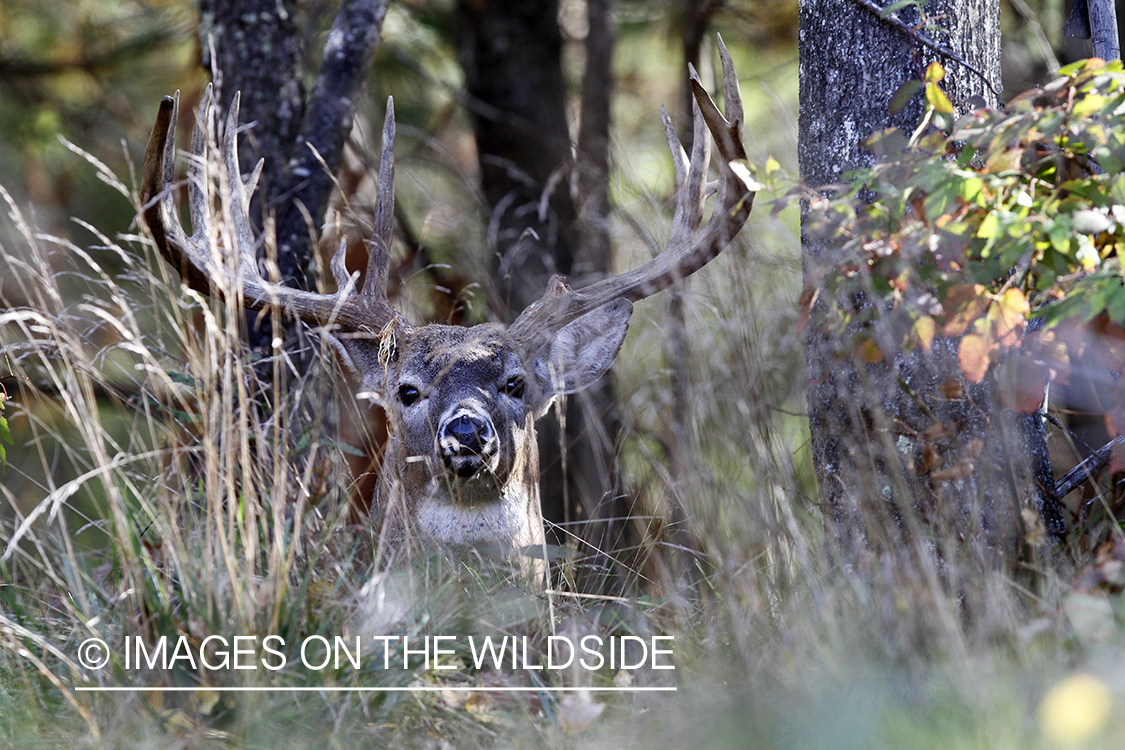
point(205, 701)
point(924, 331)
point(938, 100)
point(1075, 710)
point(1008, 315)
point(934, 72)
point(772, 165)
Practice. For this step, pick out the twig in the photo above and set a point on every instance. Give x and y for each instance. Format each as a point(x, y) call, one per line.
point(873, 7)
point(1086, 469)
point(1036, 29)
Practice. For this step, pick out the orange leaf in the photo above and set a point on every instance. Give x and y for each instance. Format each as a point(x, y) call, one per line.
point(963, 304)
point(1008, 315)
point(974, 357)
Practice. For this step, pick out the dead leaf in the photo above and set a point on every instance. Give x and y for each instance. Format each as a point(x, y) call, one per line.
point(963, 304)
point(1021, 384)
point(974, 357)
point(1009, 316)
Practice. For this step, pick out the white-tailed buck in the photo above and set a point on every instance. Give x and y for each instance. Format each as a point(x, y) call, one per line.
point(461, 467)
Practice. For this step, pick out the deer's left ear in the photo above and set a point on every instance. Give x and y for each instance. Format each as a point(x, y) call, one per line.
point(583, 350)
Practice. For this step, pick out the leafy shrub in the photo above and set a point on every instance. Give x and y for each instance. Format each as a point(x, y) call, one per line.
point(973, 228)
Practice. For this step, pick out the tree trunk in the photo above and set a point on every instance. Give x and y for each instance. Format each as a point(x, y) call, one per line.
point(510, 51)
point(259, 52)
point(906, 450)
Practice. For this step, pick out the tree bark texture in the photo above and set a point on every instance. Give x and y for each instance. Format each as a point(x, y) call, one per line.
point(510, 51)
point(907, 449)
point(259, 52)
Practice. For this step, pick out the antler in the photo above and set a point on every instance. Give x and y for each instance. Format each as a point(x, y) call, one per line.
point(687, 250)
point(199, 260)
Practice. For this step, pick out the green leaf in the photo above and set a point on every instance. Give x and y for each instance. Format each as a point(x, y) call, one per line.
point(181, 378)
point(1072, 68)
point(1088, 105)
point(970, 188)
point(902, 97)
point(990, 227)
point(5, 437)
point(895, 7)
point(1115, 306)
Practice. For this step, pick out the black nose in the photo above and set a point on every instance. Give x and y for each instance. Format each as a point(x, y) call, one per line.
point(471, 434)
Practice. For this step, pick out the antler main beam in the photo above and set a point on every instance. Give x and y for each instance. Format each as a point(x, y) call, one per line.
point(687, 250)
point(199, 258)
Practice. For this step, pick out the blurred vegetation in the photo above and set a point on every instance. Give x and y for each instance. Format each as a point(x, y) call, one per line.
point(983, 222)
point(144, 496)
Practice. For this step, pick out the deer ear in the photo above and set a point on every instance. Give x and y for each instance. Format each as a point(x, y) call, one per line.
point(583, 350)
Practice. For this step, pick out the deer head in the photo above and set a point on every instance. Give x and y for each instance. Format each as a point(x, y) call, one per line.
point(462, 464)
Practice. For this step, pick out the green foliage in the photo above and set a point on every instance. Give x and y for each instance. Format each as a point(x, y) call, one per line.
point(968, 232)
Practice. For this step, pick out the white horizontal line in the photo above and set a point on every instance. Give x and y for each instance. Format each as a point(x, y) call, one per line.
point(407, 689)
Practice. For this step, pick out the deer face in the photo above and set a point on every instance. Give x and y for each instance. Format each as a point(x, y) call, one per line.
point(462, 409)
point(463, 404)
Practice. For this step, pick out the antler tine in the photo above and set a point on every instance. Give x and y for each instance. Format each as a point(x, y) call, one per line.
point(379, 249)
point(691, 190)
point(239, 205)
point(197, 168)
point(157, 202)
point(679, 156)
point(732, 94)
point(191, 256)
point(686, 251)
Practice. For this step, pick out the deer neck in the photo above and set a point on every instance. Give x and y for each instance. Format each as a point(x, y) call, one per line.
point(421, 505)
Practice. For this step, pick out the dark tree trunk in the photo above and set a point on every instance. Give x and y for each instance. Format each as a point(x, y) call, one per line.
point(259, 52)
point(511, 51)
point(906, 450)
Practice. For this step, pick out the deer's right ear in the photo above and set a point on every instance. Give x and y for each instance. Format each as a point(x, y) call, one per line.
point(583, 350)
point(360, 358)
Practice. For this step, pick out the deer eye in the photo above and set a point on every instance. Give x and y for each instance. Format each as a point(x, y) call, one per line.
point(513, 387)
point(408, 394)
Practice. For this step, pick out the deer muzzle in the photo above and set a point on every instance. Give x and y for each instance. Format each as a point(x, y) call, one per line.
point(467, 444)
